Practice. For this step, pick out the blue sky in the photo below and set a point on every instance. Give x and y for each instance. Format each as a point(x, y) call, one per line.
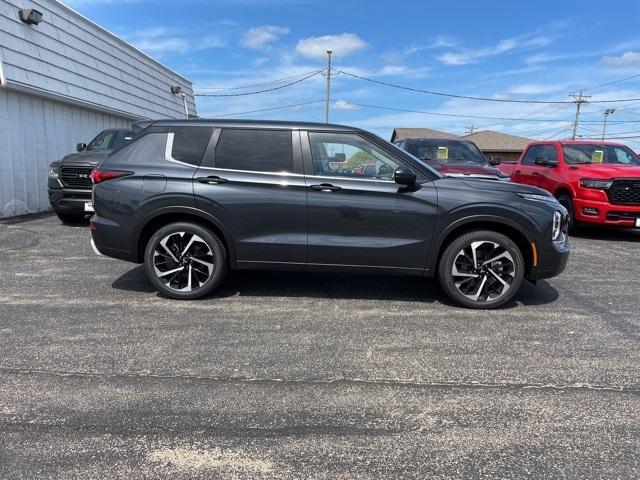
point(498, 49)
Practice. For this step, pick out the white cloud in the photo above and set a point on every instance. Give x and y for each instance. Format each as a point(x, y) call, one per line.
point(627, 59)
point(342, 45)
point(343, 105)
point(467, 56)
point(162, 40)
point(259, 38)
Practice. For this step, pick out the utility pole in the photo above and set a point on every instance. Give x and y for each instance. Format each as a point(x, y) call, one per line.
point(470, 129)
point(607, 112)
point(328, 96)
point(580, 100)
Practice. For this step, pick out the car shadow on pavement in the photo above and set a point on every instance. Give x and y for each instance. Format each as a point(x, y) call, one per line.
point(612, 234)
point(337, 286)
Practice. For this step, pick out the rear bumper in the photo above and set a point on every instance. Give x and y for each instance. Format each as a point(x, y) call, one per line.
point(605, 213)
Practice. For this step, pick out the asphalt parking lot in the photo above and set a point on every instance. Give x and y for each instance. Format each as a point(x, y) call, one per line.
point(284, 375)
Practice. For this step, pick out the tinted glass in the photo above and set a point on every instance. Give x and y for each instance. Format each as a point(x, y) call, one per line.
point(599, 154)
point(110, 139)
point(532, 153)
point(349, 155)
point(255, 150)
point(122, 137)
point(149, 148)
point(189, 144)
point(446, 151)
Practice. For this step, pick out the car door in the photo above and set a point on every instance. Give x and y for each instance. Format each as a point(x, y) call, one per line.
point(358, 217)
point(527, 171)
point(546, 173)
point(251, 180)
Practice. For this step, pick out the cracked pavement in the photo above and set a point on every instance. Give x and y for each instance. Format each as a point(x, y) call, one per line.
point(282, 375)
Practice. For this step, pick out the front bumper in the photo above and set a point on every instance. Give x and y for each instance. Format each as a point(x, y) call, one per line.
point(605, 213)
point(67, 200)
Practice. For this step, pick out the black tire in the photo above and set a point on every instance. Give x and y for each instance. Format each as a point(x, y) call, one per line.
point(192, 266)
point(70, 217)
point(567, 202)
point(492, 294)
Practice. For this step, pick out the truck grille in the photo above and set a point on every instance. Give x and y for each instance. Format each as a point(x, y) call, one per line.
point(76, 176)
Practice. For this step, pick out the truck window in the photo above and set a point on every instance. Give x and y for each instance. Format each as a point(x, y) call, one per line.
point(533, 152)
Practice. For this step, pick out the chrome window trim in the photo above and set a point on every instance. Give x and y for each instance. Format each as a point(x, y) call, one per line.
point(280, 174)
point(168, 152)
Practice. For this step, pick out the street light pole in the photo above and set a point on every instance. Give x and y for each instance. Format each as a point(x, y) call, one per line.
point(328, 96)
point(607, 112)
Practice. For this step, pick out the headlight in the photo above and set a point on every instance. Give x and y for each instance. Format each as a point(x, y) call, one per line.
point(53, 171)
point(594, 183)
point(557, 226)
point(539, 197)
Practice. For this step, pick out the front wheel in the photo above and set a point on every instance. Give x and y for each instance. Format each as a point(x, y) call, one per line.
point(482, 269)
point(185, 261)
point(567, 202)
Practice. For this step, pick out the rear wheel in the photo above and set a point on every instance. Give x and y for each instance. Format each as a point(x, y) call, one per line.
point(481, 269)
point(185, 261)
point(567, 202)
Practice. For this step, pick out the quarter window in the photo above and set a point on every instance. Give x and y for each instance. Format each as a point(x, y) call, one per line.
point(350, 155)
point(255, 150)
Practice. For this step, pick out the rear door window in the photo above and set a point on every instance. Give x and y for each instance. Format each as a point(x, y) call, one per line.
point(189, 144)
point(255, 150)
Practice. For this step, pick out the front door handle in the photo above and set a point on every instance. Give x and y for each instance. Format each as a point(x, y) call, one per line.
point(518, 171)
point(325, 187)
point(212, 179)
point(536, 173)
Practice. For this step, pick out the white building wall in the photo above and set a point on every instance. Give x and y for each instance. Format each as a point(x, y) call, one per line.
point(62, 82)
point(34, 131)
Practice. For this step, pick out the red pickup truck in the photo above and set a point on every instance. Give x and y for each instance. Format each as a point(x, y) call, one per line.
point(597, 182)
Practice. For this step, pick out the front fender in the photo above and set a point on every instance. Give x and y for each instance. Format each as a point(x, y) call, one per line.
point(481, 215)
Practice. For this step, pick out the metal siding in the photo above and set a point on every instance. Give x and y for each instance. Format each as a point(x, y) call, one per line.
point(35, 131)
point(70, 56)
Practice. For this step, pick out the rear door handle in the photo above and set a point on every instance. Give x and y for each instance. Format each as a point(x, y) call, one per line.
point(212, 179)
point(518, 171)
point(325, 187)
point(536, 173)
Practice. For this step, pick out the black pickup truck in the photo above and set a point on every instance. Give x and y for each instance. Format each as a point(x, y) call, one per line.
point(70, 178)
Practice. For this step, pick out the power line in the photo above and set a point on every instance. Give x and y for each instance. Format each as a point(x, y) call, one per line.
point(470, 97)
point(258, 91)
point(614, 82)
point(480, 117)
point(270, 82)
point(281, 107)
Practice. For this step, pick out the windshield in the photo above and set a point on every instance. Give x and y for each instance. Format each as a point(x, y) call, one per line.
point(446, 151)
point(110, 139)
point(594, 153)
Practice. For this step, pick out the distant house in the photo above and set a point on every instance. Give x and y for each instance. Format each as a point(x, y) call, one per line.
point(399, 133)
point(504, 146)
point(493, 144)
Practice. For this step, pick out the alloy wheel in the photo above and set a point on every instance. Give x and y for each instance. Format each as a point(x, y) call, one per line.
point(483, 271)
point(183, 261)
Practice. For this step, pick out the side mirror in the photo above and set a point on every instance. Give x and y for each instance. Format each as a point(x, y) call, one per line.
point(494, 161)
point(80, 147)
point(404, 176)
point(545, 162)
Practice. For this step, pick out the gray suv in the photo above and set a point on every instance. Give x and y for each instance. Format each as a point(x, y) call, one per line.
point(192, 199)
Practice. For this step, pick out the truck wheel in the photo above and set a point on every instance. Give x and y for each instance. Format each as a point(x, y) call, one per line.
point(185, 261)
point(481, 269)
point(70, 217)
point(567, 202)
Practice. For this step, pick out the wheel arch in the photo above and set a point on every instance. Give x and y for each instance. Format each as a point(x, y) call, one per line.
point(164, 216)
point(514, 230)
